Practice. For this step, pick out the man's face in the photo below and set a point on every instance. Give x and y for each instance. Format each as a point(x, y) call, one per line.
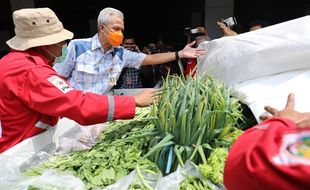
point(53, 51)
point(116, 24)
point(129, 44)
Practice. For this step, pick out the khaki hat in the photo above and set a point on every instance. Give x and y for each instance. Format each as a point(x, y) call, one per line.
point(37, 27)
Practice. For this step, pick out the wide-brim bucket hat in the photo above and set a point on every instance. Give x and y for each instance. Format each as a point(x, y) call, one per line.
point(37, 27)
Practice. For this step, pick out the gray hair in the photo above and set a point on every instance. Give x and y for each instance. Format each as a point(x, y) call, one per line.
point(106, 13)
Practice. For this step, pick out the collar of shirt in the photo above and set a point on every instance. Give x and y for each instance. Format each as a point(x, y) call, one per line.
point(95, 44)
point(30, 53)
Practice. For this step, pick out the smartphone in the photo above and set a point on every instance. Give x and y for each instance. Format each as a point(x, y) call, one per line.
point(229, 22)
point(194, 31)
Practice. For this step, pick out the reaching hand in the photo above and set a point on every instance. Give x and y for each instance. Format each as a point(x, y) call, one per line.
point(189, 52)
point(301, 119)
point(226, 30)
point(146, 97)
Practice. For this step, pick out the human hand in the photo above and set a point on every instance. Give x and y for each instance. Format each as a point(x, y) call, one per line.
point(146, 97)
point(301, 119)
point(189, 52)
point(137, 49)
point(226, 30)
point(146, 50)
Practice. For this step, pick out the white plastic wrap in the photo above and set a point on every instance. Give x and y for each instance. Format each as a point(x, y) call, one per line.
point(67, 136)
point(133, 178)
point(273, 91)
point(264, 66)
point(158, 182)
point(34, 147)
point(11, 178)
point(80, 138)
point(271, 50)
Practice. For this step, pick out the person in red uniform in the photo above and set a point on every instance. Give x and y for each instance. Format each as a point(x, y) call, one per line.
point(190, 68)
point(274, 154)
point(33, 96)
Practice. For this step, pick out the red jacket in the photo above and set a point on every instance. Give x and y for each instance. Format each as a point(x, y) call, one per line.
point(272, 155)
point(33, 96)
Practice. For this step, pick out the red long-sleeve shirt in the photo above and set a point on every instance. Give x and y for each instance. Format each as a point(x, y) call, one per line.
point(33, 97)
point(272, 155)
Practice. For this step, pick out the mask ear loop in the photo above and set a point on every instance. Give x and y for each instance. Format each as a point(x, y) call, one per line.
point(50, 53)
point(104, 26)
point(53, 55)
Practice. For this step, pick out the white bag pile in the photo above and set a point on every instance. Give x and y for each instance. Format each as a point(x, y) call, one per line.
point(265, 65)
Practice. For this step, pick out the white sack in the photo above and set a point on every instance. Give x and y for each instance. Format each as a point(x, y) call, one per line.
point(273, 91)
point(265, 65)
point(274, 49)
point(39, 146)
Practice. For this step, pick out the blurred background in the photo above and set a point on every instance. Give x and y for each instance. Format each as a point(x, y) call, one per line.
point(156, 20)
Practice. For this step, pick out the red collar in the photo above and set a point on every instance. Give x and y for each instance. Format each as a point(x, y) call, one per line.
point(31, 52)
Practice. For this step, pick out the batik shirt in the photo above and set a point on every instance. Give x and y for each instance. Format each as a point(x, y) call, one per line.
point(87, 67)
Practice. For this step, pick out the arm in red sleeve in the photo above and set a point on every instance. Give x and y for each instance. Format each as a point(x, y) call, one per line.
point(259, 159)
point(46, 92)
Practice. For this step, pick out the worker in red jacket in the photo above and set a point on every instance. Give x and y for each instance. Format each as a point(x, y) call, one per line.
point(274, 154)
point(33, 96)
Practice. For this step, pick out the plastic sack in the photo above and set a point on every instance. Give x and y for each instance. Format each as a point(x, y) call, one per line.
point(11, 178)
point(134, 178)
point(80, 138)
point(267, 51)
point(158, 182)
point(33, 150)
point(173, 180)
point(273, 91)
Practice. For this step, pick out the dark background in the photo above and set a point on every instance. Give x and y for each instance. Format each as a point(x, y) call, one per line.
point(147, 20)
point(160, 19)
point(273, 11)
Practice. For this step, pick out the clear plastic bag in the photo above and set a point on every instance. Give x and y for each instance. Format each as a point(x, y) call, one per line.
point(80, 138)
point(158, 182)
point(142, 179)
point(173, 180)
point(11, 178)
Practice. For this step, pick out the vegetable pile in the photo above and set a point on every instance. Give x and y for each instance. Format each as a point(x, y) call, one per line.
point(193, 120)
point(117, 153)
point(193, 117)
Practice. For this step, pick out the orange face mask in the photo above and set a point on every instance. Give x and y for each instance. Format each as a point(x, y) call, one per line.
point(115, 38)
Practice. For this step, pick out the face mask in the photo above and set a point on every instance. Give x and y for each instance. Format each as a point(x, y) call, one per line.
point(115, 38)
point(63, 54)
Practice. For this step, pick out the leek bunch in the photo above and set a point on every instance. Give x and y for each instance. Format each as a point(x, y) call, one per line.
point(193, 117)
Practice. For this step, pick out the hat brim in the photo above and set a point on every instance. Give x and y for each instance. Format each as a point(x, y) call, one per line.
point(22, 44)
